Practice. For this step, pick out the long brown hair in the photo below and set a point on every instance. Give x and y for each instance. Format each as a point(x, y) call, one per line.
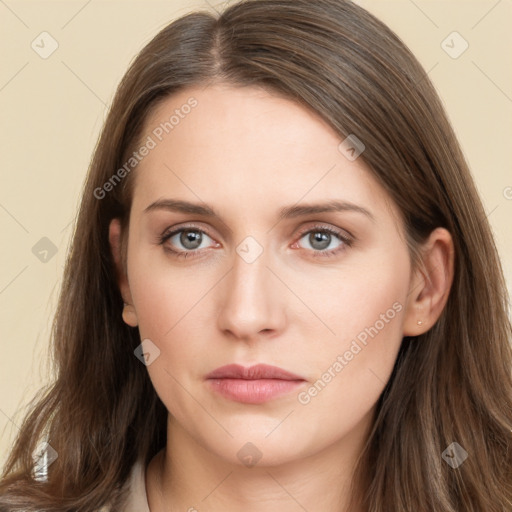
point(451, 384)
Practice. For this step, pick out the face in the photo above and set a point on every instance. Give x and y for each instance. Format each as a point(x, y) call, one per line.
point(319, 293)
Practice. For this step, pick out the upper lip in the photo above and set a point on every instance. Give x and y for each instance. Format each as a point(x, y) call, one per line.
point(258, 371)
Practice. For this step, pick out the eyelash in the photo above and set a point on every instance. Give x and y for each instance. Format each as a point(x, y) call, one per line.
point(320, 229)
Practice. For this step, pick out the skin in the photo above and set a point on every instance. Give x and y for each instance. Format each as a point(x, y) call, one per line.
point(248, 153)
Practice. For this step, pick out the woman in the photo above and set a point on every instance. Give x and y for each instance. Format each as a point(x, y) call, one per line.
point(282, 289)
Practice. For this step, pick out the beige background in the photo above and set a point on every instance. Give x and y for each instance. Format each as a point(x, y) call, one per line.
point(53, 108)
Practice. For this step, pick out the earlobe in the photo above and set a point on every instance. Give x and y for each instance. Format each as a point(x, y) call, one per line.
point(129, 313)
point(431, 284)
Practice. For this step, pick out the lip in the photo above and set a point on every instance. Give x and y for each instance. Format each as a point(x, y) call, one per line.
point(258, 371)
point(253, 385)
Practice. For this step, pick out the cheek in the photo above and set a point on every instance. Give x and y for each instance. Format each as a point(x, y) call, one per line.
point(365, 289)
point(168, 306)
point(172, 311)
point(164, 293)
point(365, 311)
point(169, 314)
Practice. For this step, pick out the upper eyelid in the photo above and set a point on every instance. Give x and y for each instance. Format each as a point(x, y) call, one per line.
point(330, 229)
point(177, 229)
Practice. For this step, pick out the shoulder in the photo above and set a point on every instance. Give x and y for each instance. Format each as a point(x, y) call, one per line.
point(135, 492)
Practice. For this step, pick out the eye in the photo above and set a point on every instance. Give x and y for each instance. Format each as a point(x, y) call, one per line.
point(322, 241)
point(189, 238)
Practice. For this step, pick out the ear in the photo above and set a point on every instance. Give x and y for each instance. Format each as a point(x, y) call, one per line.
point(114, 237)
point(430, 284)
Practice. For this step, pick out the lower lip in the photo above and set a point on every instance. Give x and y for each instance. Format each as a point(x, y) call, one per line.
point(254, 391)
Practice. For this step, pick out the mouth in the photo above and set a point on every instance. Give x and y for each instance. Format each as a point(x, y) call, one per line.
point(253, 385)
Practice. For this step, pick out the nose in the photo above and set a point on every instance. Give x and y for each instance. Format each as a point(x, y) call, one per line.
point(251, 300)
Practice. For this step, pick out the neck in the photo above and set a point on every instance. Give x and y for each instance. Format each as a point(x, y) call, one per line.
point(185, 476)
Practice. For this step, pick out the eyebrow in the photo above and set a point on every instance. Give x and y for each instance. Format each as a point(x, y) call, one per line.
point(287, 212)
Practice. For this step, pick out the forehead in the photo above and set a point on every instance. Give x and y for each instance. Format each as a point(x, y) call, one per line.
point(251, 123)
point(220, 143)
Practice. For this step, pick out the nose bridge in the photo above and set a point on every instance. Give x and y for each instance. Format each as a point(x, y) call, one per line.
point(248, 305)
point(249, 275)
